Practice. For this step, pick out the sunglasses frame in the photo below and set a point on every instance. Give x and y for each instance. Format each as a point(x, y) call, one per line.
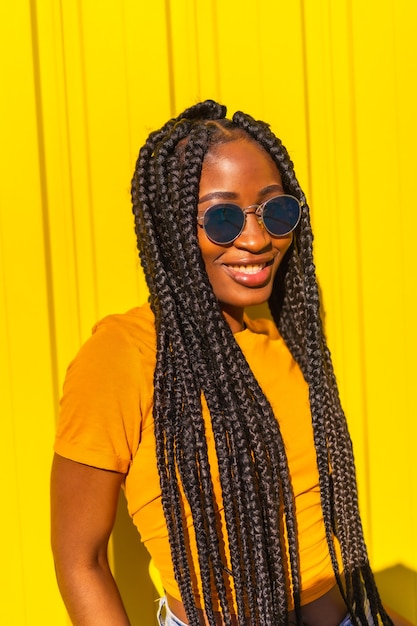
point(259, 211)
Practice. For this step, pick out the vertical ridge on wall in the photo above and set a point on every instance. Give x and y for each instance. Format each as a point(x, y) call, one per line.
point(40, 128)
point(387, 354)
point(333, 200)
point(303, 47)
point(169, 57)
point(358, 174)
point(27, 379)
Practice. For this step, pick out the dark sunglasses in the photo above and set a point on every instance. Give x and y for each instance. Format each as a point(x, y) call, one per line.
point(223, 223)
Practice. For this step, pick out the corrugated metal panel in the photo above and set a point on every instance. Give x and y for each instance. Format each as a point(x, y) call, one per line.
point(81, 88)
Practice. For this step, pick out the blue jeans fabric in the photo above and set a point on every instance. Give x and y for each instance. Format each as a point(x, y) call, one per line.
point(171, 620)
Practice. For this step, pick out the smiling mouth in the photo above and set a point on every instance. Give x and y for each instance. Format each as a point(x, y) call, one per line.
point(248, 269)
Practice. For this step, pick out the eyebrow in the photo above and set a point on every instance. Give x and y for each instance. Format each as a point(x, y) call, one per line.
point(232, 195)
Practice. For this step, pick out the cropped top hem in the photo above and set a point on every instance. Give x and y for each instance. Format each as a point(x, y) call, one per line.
point(307, 595)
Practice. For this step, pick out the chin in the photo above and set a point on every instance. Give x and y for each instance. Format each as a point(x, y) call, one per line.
point(251, 299)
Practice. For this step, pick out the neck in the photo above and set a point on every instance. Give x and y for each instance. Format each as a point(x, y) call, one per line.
point(235, 319)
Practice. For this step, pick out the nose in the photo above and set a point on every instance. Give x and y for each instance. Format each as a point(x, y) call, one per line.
point(254, 235)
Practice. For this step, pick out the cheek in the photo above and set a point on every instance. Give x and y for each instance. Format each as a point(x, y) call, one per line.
point(289, 243)
point(209, 250)
point(284, 245)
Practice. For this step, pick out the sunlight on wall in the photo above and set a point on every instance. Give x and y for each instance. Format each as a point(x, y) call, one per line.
point(81, 90)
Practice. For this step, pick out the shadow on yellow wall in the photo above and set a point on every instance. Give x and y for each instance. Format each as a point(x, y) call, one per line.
point(130, 567)
point(398, 588)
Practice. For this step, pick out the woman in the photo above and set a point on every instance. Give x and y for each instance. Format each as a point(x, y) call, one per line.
point(227, 434)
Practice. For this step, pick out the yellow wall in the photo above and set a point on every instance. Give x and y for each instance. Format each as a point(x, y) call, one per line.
point(82, 82)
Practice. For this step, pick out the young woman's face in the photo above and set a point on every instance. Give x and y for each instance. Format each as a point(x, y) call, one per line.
point(242, 272)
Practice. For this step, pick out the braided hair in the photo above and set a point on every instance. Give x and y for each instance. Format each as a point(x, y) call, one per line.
point(197, 356)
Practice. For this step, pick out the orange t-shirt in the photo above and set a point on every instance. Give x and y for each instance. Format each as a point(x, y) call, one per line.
point(106, 421)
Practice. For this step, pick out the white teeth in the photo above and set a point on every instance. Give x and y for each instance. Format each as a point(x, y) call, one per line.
point(248, 269)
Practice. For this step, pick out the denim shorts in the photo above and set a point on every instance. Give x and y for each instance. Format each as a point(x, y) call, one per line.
point(171, 620)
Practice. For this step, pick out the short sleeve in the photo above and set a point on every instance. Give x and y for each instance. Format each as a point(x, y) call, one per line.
point(100, 415)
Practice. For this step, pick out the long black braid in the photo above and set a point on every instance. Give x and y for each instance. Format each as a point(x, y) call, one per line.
point(197, 355)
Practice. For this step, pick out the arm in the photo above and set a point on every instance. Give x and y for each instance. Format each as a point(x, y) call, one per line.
point(83, 508)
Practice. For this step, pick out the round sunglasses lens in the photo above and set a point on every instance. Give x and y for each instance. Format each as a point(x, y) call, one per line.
point(223, 223)
point(281, 215)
